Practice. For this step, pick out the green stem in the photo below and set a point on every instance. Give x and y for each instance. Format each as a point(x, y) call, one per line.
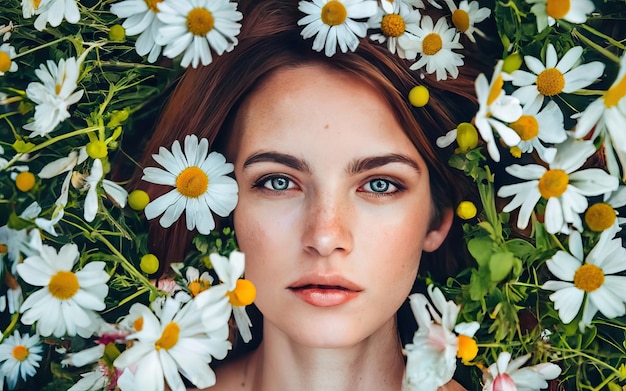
point(63, 137)
point(11, 326)
point(51, 43)
point(597, 47)
point(125, 263)
point(605, 382)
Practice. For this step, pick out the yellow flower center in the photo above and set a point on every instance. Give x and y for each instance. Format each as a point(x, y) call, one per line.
point(432, 44)
point(392, 25)
point(588, 277)
point(36, 3)
point(138, 323)
point(461, 20)
point(152, 5)
point(467, 348)
point(20, 353)
point(244, 293)
point(198, 286)
point(550, 82)
point(600, 216)
point(63, 285)
point(527, 127)
point(516, 152)
point(200, 21)
point(334, 13)
point(466, 210)
point(495, 90)
point(557, 8)
point(3, 248)
point(169, 337)
point(25, 181)
point(192, 182)
point(615, 93)
point(553, 183)
point(5, 61)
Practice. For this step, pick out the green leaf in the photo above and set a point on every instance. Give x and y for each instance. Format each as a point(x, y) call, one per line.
point(500, 265)
point(481, 248)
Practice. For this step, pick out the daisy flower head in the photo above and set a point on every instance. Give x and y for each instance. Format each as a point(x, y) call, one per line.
point(431, 357)
point(67, 302)
point(7, 54)
point(605, 118)
point(240, 292)
point(335, 22)
point(53, 95)
point(197, 26)
point(589, 282)
point(171, 341)
point(507, 375)
point(200, 182)
point(466, 15)
point(496, 109)
point(547, 12)
point(54, 11)
point(30, 7)
point(554, 77)
point(19, 357)
point(395, 30)
point(561, 185)
point(435, 45)
point(141, 18)
point(536, 127)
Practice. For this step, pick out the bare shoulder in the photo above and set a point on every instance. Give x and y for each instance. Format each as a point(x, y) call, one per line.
point(230, 376)
point(452, 386)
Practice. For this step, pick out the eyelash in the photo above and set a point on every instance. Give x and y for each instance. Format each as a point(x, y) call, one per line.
point(264, 182)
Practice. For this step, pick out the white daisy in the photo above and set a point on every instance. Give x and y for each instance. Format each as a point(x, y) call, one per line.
point(466, 15)
point(29, 7)
point(112, 189)
point(536, 127)
point(54, 11)
point(563, 186)
point(495, 109)
point(556, 76)
point(96, 380)
point(170, 341)
point(335, 22)
point(5, 31)
point(19, 356)
point(435, 45)
point(13, 243)
point(239, 292)
point(547, 12)
point(68, 301)
point(141, 19)
point(7, 54)
point(32, 212)
point(605, 118)
point(201, 185)
point(53, 95)
point(507, 375)
point(395, 29)
point(431, 358)
point(195, 282)
point(191, 26)
point(59, 166)
point(589, 282)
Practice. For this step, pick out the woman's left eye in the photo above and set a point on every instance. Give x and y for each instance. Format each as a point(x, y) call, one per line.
point(379, 186)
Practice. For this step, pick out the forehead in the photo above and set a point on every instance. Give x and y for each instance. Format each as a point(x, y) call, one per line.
point(315, 104)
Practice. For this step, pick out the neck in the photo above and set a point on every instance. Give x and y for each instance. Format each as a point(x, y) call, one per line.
point(280, 363)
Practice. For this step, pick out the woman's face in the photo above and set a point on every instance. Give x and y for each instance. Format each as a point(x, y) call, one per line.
point(334, 206)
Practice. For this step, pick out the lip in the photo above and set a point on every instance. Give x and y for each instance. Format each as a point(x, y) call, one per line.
point(325, 290)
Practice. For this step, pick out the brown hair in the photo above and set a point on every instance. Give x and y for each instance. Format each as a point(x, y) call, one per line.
point(206, 100)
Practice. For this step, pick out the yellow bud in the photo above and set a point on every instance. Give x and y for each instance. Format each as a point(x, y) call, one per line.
point(96, 149)
point(149, 264)
point(138, 200)
point(5, 61)
point(418, 96)
point(512, 63)
point(117, 33)
point(466, 136)
point(466, 210)
point(25, 181)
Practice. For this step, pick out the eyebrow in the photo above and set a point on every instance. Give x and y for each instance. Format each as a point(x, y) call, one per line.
point(369, 163)
point(280, 158)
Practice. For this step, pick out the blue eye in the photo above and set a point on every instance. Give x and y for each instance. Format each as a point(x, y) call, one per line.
point(379, 185)
point(276, 183)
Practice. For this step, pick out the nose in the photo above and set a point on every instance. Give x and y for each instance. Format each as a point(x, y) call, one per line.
point(328, 227)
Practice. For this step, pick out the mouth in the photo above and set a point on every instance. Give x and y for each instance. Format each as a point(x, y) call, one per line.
point(326, 294)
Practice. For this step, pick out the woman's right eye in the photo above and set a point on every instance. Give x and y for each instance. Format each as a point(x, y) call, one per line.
point(276, 183)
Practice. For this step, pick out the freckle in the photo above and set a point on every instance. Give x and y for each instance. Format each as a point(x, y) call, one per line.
point(326, 126)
